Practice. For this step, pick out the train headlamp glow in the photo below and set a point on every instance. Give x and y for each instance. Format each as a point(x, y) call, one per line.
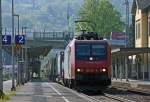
point(91, 58)
point(104, 70)
point(78, 70)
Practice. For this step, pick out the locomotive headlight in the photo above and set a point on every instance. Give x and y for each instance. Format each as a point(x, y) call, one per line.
point(104, 70)
point(78, 70)
point(91, 58)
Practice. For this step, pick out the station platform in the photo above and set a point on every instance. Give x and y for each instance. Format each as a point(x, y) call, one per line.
point(134, 84)
point(47, 92)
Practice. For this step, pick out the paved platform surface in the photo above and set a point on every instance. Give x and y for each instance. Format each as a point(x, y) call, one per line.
point(133, 83)
point(47, 92)
point(7, 86)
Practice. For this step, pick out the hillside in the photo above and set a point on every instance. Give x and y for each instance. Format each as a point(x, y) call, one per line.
point(48, 14)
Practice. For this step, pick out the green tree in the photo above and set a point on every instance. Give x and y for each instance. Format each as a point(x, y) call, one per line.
point(100, 16)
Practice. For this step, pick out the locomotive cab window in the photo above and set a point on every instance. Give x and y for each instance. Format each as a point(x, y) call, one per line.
point(99, 51)
point(85, 51)
point(82, 51)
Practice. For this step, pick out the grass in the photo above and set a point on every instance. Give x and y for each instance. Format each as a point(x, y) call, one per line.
point(9, 95)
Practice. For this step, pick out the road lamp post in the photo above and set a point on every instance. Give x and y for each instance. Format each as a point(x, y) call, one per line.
point(13, 43)
point(127, 23)
point(18, 69)
point(126, 38)
point(24, 30)
point(1, 67)
point(68, 16)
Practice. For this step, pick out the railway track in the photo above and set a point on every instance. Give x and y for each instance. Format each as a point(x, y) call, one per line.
point(132, 94)
point(123, 95)
point(134, 90)
point(112, 95)
point(107, 98)
point(120, 99)
point(104, 97)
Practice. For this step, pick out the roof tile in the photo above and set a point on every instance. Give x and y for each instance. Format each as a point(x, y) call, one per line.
point(142, 4)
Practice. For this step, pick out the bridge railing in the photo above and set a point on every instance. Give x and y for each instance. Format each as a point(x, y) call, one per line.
point(53, 35)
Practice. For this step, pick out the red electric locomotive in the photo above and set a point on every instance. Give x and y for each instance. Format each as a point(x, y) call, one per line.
point(87, 63)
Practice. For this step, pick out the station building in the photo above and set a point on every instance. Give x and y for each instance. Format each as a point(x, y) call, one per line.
point(141, 20)
point(141, 12)
point(134, 62)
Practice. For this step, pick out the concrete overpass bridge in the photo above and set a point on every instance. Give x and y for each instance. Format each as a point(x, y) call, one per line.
point(42, 42)
point(46, 41)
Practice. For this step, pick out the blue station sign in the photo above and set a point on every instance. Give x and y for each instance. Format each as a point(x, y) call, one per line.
point(6, 39)
point(20, 39)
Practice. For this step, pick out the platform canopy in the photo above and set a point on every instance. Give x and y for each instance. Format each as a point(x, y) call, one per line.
point(130, 51)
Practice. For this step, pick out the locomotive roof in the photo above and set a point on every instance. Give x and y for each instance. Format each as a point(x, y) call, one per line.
point(86, 41)
point(90, 40)
point(87, 37)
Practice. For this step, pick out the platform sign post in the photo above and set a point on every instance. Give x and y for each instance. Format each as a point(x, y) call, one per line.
point(1, 69)
point(21, 68)
point(19, 41)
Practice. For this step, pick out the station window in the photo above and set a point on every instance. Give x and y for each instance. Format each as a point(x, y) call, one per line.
point(137, 30)
point(149, 27)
